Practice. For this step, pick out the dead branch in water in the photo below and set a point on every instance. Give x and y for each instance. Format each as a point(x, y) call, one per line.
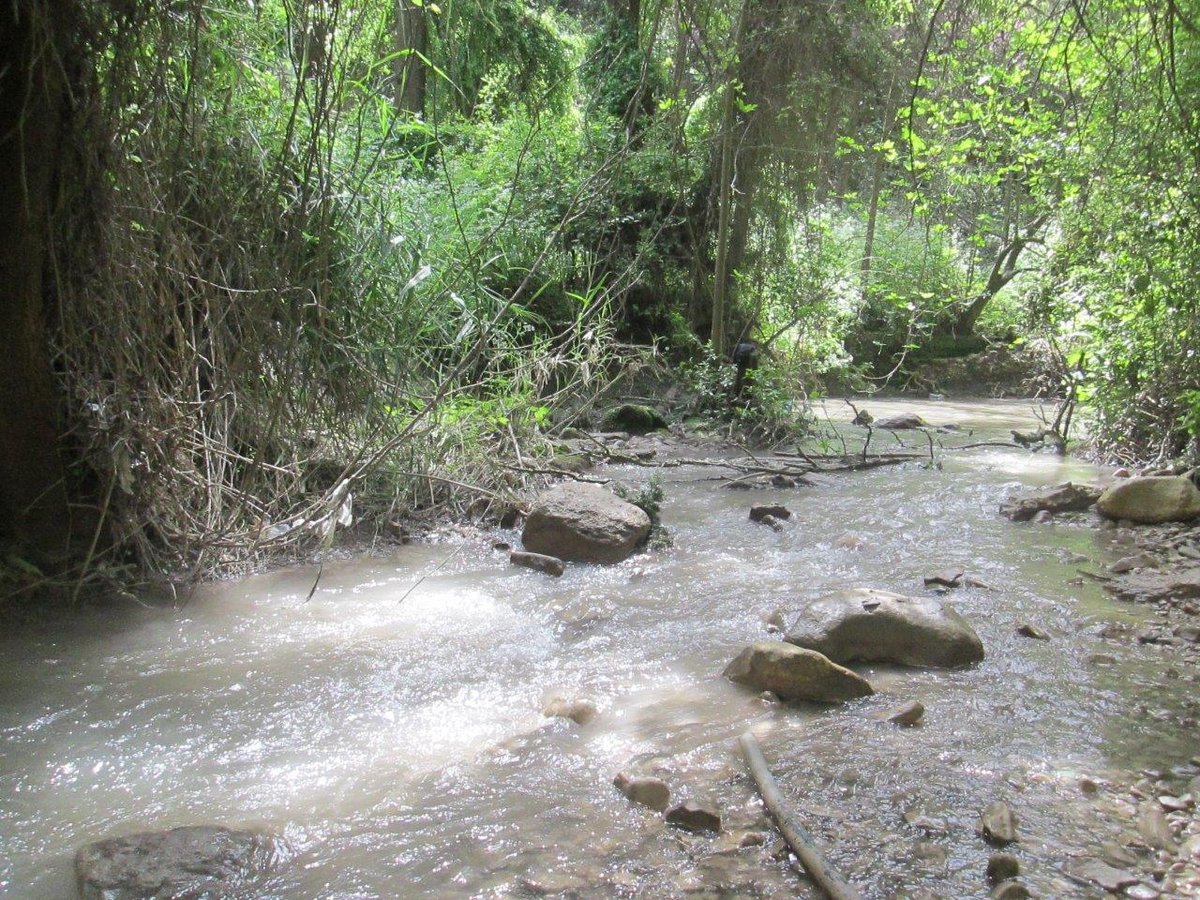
point(797, 836)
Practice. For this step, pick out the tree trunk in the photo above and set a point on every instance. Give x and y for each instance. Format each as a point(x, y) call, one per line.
point(412, 45)
point(720, 303)
point(33, 496)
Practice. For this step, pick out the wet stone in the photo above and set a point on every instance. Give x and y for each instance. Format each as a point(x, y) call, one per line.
point(696, 817)
point(193, 861)
point(907, 715)
point(760, 513)
point(651, 792)
point(1116, 855)
point(1143, 891)
point(1009, 890)
point(1002, 866)
point(539, 562)
point(1153, 827)
point(1032, 631)
point(578, 711)
point(998, 823)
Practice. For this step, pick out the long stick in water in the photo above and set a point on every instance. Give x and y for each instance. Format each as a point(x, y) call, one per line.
point(797, 836)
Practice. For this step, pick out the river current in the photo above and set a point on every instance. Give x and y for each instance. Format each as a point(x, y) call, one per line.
point(390, 728)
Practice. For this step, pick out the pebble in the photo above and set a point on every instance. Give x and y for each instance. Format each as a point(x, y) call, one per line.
point(907, 715)
point(998, 823)
point(1032, 631)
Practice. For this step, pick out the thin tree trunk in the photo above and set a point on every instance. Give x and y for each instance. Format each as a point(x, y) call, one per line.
point(33, 497)
point(720, 302)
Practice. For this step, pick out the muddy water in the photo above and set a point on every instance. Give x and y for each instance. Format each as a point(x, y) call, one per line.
point(391, 729)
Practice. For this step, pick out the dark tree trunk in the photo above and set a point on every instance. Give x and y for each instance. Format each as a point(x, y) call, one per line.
point(34, 511)
point(412, 40)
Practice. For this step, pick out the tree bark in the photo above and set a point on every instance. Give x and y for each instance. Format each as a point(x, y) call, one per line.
point(412, 43)
point(34, 512)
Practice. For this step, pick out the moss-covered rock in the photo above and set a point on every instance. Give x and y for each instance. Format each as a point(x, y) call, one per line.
point(636, 418)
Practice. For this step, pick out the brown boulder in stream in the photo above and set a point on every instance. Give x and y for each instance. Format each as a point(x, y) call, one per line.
point(1151, 500)
point(878, 626)
point(194, 861)
point(584, 523)
point(794, 673)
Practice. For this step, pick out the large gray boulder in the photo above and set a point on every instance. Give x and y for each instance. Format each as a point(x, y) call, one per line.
point(194, 861)
point(1151, 500)
point(795, 674)
point(879, 626)
point(584, 523)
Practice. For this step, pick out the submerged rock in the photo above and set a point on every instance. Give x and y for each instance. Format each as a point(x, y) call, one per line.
point(1151, 500)
point(1002, 866)
point(902, 422)
point(584, 523)
point(693, 816)
point(636, 418)
point(879, 626)
point(1067, 497)
point(193, 861)
point(794, 673)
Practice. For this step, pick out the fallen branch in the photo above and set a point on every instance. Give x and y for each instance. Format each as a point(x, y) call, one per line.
point(797, 836)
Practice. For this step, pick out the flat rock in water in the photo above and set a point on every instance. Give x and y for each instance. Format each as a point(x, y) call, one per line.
point(193, 861)
point(584, 523)
point(1067, 497)
point(794, 673)
point(998, 823)
point(1105, 876)
point(1032, 631)
point(902, 422)
point(950, 578)
point(1151, 500)
point(1153, 827)
point(578, 711)
point(879, 626)
point(539, 562)
point(651, 792)
point(693, 816)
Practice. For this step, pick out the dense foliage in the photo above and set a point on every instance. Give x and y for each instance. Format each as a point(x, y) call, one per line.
point(310, 251)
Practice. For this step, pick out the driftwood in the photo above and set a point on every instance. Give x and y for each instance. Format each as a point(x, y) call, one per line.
point(797, 836)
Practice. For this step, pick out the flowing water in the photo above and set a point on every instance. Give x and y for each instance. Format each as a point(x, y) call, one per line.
point(394, 735)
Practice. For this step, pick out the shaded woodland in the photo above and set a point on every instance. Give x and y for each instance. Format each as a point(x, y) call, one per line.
point(260, 257)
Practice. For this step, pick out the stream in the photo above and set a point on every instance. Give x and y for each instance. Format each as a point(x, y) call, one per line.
point(390, 729)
